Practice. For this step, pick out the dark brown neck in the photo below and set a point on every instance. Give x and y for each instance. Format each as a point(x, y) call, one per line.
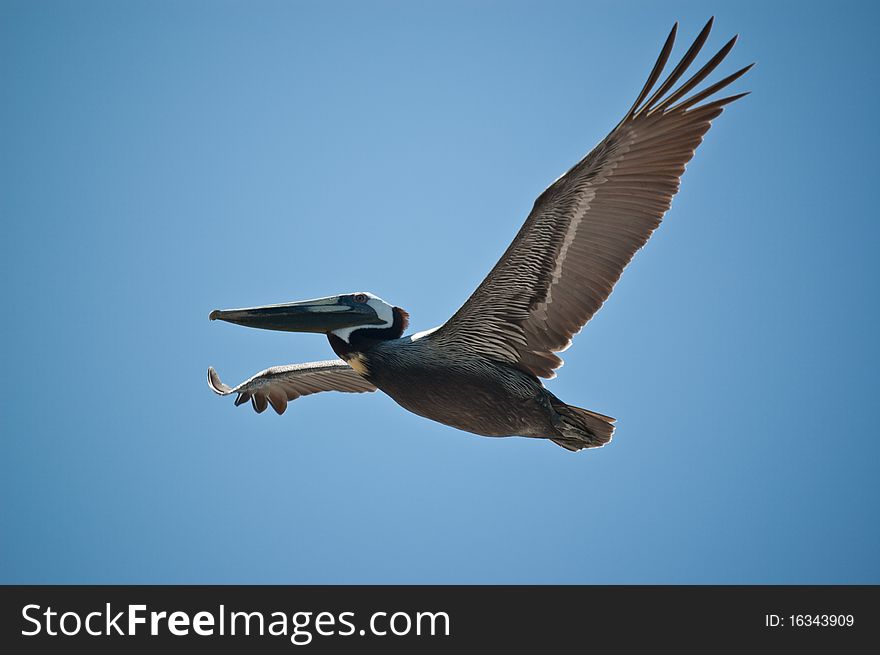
point(363, 339)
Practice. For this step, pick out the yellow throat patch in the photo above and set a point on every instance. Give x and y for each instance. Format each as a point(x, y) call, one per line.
point(359, 363)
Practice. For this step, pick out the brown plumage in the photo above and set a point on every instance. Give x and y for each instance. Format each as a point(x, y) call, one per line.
point(586, 227)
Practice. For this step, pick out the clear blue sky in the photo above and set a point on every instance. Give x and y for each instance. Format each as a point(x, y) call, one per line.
point(162, 159)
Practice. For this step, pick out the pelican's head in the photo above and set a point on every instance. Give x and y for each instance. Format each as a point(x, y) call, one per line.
point(349, 316)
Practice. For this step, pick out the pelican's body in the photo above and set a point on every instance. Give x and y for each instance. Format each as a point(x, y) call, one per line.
point(469, 393)
point(480, 371)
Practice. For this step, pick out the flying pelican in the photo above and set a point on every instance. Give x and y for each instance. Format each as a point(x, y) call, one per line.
point(480, 371)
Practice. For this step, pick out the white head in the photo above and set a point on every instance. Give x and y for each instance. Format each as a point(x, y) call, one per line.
point(384, 313)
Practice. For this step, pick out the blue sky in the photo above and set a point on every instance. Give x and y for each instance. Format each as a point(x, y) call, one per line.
point(162, 159)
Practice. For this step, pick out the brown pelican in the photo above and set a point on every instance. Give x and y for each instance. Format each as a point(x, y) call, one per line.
point(480, 370)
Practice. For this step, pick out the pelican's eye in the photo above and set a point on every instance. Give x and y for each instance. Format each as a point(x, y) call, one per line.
point(360, 297)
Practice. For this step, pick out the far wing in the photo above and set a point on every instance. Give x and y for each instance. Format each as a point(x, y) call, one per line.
point(585, 228)
point(280, 384)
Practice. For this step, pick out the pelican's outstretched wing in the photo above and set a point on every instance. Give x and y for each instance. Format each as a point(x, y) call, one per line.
point(280, 384)
point(586, 227)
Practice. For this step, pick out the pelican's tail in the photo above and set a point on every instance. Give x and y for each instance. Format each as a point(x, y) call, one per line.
point(580, 428)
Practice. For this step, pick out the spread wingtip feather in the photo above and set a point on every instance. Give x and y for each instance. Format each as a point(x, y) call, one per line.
point(216, 384)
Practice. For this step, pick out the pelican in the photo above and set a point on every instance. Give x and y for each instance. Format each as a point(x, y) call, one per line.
point(480, 371)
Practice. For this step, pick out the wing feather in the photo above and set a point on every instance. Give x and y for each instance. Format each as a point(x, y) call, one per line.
point(279, 385)
point(586, 226)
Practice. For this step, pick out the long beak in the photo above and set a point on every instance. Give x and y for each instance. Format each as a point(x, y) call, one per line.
point(320, 315)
